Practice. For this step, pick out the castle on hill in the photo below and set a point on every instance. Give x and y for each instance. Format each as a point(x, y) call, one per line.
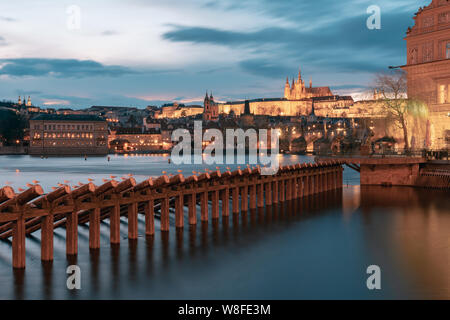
point(298, 100)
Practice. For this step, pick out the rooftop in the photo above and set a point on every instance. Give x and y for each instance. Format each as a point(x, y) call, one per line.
point(69, 117)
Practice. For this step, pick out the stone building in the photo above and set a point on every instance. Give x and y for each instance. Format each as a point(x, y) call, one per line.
point(299, 91)
point(211, 109)
point(176, 110)
point(428, 70)
point(298, 100)
point(68, 135)
point(136, 140)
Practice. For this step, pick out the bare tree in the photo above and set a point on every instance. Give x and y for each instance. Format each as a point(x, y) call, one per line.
point(392, 88)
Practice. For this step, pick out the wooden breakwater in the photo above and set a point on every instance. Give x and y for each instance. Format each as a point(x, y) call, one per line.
point(238, 191)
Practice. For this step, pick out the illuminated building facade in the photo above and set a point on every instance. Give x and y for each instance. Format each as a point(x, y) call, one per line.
point(428, 69)
point(68, 135)
point(136, 140)
point(298, 100)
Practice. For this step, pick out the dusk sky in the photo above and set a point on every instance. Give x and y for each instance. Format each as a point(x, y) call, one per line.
point(139, 53)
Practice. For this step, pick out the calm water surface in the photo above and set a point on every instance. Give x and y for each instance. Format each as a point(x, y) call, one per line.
point(315, 248)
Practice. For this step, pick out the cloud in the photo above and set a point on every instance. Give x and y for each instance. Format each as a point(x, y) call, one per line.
point(28, 92)
point(51, 102)
point(7, 19)
point(3, 41)
point(265, 68)
point(61, 68)
point(67, 99)
point(109, 33)
point(227, 38)
point(345, 45)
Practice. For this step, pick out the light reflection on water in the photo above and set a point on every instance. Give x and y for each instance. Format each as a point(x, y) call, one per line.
point(318, 247)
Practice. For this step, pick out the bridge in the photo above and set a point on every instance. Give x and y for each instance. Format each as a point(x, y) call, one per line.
point(398, 170)
point(32, 210)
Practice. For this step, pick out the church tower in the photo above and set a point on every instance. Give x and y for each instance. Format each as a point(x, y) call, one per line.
point(211, 109)
point(287, 89)
point(20, 101)
point(28, 101)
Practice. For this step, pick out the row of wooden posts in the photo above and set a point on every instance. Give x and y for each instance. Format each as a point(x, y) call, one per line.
point(24, 213)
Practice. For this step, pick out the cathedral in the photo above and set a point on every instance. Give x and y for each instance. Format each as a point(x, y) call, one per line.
point(298, 100)
point(299, 91)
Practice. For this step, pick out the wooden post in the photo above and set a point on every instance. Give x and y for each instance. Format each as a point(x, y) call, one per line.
point(133, 220)
point(330, 179)
point(252, 196)
point(179, 210)
point(294, 186)
point(72, 219)
point(204, 206)
point(294, 192)
point(114, 224)
point(275, 190)
point(47, 236)
point(72, 232)
point(306, 185)
point(215, 204)
point(320, 180)
point(301, 180)
point(316, 181)
point(192, 205)
point(225, 202)
point(244, 197)
point(150, 217)
point(288, 183)
point(165, 213)
point(18, 243)
point(235, 195)
point(282, 189)
point(335, 180)
point(94, 228)
point(260, 194)
point(269, 192)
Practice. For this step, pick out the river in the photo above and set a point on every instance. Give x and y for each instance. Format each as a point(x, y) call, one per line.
point(315, 248)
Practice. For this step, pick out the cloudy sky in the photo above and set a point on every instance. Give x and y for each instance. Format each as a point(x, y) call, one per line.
point(148, 52)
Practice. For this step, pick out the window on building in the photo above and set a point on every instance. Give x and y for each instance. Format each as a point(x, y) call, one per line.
point(442, 93)
point(447, 51)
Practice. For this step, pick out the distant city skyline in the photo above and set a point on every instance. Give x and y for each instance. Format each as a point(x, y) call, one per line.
point(138, 53)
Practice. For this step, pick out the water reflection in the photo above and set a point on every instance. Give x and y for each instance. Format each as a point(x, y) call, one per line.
point(419, 234)
point(403, 230)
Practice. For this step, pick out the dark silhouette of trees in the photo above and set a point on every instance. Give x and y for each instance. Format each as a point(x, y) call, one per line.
point(12, 125)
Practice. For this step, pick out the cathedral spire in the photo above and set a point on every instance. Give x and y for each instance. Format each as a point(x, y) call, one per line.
point(299, 74)
point(310, 82)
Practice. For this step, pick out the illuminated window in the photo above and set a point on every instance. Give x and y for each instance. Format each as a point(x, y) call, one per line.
point(442, 93)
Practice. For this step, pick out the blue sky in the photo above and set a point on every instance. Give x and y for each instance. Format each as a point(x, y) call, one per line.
point(139, 53)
